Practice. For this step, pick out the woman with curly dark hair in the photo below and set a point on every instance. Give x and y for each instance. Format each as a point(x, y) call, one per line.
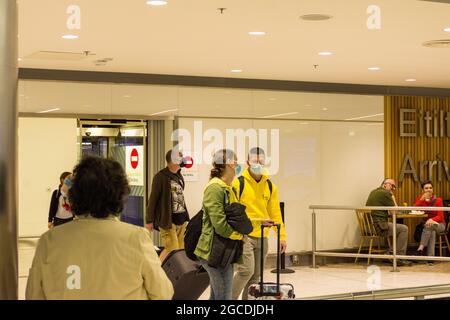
point(96, 256)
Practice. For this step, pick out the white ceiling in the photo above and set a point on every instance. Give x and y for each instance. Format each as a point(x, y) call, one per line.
point(191, 37)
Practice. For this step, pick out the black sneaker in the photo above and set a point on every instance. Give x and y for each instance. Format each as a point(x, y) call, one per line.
point(405, 263)
point(418, 253)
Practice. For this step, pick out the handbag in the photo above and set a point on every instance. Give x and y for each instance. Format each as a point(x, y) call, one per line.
point(224, 251)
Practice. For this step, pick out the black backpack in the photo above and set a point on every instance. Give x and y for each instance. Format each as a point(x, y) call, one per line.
point(192, 234)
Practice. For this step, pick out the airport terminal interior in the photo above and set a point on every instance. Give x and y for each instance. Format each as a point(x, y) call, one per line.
point(350, 101)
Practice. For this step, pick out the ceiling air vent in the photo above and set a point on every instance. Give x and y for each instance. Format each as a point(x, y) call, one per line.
point(315, 17)
point(58, 55)
point(439, 1)
point(445, 43)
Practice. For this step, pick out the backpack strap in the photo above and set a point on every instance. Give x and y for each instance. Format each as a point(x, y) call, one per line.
point(226, 198)
point(270, 186)
point(241, 186)
point(434, 201)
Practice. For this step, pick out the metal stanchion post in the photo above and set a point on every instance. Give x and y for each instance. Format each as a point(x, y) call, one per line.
point(394, 240)
point(283, 255)
point(314, 239)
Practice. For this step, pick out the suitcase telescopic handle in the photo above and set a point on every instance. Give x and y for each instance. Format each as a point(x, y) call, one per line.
point(261, 285)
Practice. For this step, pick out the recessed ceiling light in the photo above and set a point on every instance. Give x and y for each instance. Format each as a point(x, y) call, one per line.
point(70, 36)
point(157, 2)
point(447, 29)
point(351, 133)
point(304, 123)
point(19, 59)
point(272, 99)
point(127, 96)
point(257, 33)
point(374, 68)
point(325, 109)
point(236, 70)
point(410, 80)
point(325, 53)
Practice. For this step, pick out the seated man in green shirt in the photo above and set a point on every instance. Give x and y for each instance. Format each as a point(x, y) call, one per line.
point(384, 197)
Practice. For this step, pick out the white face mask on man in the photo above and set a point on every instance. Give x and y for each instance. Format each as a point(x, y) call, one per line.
point(257, 169)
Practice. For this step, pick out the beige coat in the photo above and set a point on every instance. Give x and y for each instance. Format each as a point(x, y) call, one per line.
point(92, 258)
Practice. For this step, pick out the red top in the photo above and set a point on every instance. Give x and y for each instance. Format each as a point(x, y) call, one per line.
point(437, 216)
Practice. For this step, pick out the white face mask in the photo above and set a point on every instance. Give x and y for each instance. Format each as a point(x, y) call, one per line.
point(257, 169)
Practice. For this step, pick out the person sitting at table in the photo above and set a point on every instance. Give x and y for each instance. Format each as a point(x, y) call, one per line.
point(435, 222)
point(383, 196)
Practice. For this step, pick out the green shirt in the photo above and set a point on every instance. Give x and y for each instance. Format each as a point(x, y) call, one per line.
point(380, 197)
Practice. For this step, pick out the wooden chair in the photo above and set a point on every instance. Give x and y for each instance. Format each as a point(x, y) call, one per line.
point(369, 232)
point(441, 238)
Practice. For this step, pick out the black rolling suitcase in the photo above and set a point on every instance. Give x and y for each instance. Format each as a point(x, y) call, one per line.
point(188, 277)
point(271, 290)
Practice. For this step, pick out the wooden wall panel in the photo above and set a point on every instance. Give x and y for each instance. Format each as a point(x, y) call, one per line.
point(420, 148)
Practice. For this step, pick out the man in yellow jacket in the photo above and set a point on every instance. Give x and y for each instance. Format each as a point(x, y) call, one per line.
point(260, 196)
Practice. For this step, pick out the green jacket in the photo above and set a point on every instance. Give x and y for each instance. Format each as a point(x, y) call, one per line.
point(380, 197)
point(215, 197)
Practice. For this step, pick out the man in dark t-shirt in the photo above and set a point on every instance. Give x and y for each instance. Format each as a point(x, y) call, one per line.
point(167, 211)
point(383, 196)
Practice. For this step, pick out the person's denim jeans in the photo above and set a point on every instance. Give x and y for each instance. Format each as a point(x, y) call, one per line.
point(221, 281)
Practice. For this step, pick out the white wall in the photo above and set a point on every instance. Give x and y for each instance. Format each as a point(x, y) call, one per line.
point(47, 147)
point(320, 163)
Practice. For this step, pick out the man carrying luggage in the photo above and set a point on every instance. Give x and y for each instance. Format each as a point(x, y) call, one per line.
point(260, 196)
point(167, 211)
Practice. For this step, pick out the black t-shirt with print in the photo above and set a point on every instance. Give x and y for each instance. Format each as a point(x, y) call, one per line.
point(179, 212)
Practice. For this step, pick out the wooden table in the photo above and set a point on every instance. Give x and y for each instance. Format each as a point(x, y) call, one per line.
point(411, 221)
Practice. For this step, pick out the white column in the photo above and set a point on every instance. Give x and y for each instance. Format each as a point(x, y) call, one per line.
point(8, 150)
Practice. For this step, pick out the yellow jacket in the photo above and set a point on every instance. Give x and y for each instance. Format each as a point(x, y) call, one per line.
point(99, 259)
point(260, 205)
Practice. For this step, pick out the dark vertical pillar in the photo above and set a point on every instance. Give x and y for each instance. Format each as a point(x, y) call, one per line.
point(8, 150)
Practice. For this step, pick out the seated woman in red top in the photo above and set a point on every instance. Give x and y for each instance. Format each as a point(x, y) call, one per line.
point(435, 222)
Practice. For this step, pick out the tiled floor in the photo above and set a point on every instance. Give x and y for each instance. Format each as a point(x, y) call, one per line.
point(308, 282)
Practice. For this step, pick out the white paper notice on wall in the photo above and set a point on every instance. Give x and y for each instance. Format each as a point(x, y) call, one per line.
point(190, 174)
point(134, 165)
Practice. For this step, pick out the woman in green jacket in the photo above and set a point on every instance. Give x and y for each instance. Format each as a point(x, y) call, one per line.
point(217, 194)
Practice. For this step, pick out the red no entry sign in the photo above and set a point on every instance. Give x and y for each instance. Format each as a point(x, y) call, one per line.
point(189, 162)
point(134, 158)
